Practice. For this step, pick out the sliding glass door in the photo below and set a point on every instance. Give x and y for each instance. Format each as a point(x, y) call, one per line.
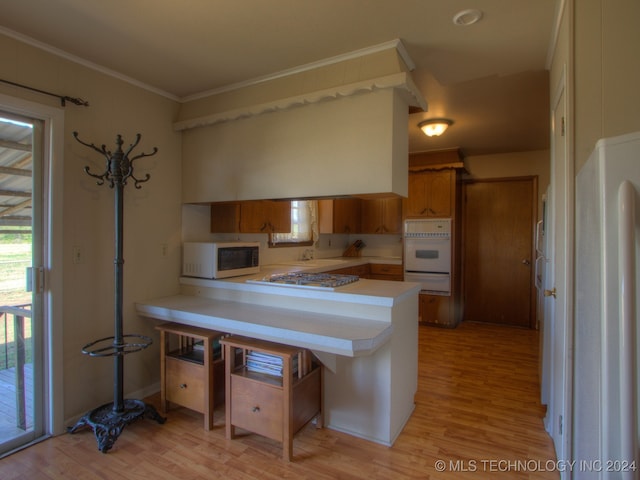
point(21, 281)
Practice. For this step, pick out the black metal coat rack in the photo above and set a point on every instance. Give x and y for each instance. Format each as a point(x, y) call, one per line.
point(108, 421)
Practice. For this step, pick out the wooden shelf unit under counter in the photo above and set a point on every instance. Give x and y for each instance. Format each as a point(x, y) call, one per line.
point(271, 405)
point(191, 369)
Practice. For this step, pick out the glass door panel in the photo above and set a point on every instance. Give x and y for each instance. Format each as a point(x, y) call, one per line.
point(20, 355)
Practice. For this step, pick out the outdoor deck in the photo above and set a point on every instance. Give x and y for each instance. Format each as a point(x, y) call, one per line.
point(8, 410)
point(16, 391)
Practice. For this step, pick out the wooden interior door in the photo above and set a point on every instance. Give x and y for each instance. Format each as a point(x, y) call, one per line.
point(499, 217)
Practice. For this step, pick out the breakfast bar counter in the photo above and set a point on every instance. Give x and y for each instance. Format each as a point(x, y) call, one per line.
point(334, 334)
point(365, 334)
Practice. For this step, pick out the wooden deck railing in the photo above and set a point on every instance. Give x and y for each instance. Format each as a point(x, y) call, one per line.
point(19, 313)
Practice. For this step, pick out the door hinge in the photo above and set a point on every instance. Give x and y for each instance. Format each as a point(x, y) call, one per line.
point(35, 279)
point(562, 127)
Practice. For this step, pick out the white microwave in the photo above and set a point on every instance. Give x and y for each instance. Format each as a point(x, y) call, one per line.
point(220, 259)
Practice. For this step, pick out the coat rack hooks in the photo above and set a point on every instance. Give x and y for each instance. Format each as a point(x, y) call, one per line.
point(108, 421)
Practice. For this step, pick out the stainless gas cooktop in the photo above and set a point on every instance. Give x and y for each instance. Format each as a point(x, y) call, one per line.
point(325, 281)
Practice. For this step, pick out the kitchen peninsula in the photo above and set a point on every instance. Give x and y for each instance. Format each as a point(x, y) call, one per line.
point(364, 333)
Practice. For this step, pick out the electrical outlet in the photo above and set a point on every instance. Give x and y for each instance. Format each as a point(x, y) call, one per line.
point(77, 254)
point(164, 248)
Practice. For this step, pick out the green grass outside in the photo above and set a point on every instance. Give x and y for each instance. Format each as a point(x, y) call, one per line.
point(15, 256)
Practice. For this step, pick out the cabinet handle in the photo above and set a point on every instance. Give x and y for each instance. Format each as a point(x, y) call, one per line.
point(256, 409)
point(424, 210)
point(183, 385)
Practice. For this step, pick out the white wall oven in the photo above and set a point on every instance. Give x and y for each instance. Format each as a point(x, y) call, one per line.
point(427, 254)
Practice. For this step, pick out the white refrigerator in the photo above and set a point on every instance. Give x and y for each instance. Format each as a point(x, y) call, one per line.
point(605, 393)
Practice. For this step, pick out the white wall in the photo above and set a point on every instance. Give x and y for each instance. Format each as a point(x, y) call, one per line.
point(151, 219)
point(607, 72)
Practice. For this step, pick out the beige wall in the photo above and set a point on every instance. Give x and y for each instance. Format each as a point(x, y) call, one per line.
point(152, 214)
point(517, 164)
point(607, 72)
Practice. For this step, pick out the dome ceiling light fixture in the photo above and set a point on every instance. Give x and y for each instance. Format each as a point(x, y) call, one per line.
point(434, 127)
point(467, 17)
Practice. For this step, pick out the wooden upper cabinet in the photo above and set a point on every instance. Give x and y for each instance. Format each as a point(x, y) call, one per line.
point(382, 215)
point(431, 194)
point(225, 217)
point(340, 215)
point(253, 216)
point(265, 216)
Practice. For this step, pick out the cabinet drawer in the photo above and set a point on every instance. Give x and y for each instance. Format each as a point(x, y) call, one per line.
point(384, 271)
point(185, 384)
point(257, 406)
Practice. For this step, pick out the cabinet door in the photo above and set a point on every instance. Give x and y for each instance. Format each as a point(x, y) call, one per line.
point(430, 194)
point(383, 215)
point(225, 217)
point(435, 309)
point(339, 216)
point(265, 216)
point(347, 215)
point(392, 215)
point(439, 191)
point(415, 205)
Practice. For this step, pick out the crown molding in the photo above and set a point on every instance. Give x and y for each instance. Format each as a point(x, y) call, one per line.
point(85, 63)
point(401, 81)
point(381, 47)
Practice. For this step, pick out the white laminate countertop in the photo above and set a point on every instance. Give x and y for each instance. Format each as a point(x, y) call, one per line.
point(321, 332)
point(364, 291)
point(352, 320)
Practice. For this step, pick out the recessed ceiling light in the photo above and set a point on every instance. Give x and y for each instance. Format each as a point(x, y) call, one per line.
point(467, 17)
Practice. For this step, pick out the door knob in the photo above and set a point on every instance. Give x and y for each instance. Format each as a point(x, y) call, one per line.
point(526, 262)
point(550, 293)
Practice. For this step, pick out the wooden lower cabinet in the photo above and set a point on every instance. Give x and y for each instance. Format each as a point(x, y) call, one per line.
point(362, 271)
point(436, 310)
point(192, 369)
point(385, 271)
point(270, 405)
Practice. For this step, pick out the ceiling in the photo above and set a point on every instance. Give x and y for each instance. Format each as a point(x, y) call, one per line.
point(490, 78)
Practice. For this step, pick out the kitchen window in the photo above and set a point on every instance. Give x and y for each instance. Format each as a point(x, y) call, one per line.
point(304, 226)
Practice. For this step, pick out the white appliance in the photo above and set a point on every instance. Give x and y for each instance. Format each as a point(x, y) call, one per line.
point(427, 254)
point(220, 259)
point(605, 396)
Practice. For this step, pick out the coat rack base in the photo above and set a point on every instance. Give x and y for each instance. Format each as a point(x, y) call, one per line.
point(107, 424)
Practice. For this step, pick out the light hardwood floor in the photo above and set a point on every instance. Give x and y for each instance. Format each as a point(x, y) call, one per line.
point(477, 413)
